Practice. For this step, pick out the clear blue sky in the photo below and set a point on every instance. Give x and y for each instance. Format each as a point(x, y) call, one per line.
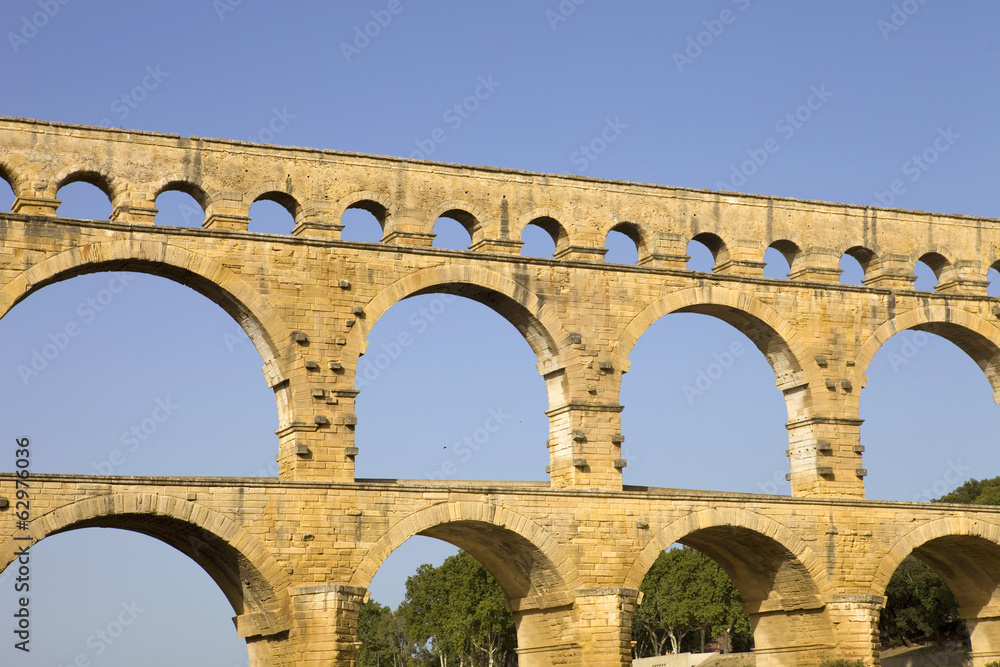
point(930, 423)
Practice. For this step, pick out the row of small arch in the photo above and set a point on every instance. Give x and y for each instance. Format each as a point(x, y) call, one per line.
point(541, 234)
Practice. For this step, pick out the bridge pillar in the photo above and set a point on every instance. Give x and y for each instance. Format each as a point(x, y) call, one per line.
point(825, 457)
point(585, 445)
point(326, 624)
point(855, 625)
point(604, 625)
point(38, 205)
point(665, 250)
point(817, 265)
point(409, 228)
point(984, 631)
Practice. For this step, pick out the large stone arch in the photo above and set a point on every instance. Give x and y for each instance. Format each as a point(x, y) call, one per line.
point(535, 572)
point(783, 584)
point(214, 281)
point(522, 308)
point(965, 553)
point(251, 579)
point(773, 335)
point(971, 333)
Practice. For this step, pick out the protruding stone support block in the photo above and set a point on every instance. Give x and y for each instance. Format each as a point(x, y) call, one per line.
point(584, 253)
point(318, 230)
point(35, 205)
point(416, 239)
point(497, 246)
point(227, 221)
point(137, 215)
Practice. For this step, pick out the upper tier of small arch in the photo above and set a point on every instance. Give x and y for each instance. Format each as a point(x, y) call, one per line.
point(495, 205)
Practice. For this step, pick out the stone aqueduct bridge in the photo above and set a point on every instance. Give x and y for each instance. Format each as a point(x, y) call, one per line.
point(295, 554)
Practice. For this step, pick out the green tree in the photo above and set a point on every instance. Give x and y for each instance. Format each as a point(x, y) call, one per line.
point(383, 638)
point(458, 611)
point(974, 492)
point(685, 592)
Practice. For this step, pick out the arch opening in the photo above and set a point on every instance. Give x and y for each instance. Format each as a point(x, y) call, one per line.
point(118, 613)
point(856, 264)
point(993, 276)
point(71, 347)
point(454, 230)
point(623, 243)
point(364, 221)
point(426, 360)
point(510, 550)
point(542, 237)
point(176, 207)
point(7, 195)
point(759, 593)
point(931, 269)
point(85, 197)
point(924, 397)
point(274, 213)
point(779, 258)
point(705, 251)
point(712, 369)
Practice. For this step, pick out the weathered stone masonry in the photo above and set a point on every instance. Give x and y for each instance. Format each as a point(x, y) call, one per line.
point(295, 555)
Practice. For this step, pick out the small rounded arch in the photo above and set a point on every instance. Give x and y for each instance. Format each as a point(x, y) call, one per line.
point(631, 231)
point(179, 184)
point(972, 334)
point(787, 251)
point(866, 260)
point(7, 174)
point(249, 576)
point(713, 243)
point(375, 203)
point(548, 222)
point(939, 265)
point(275, 220)
point(525, 560)
point(102, 181)
point(466, 214)
point(993, 279)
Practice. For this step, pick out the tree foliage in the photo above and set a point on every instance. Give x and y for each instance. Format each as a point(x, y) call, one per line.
point(452, 615)
point(687, 596)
